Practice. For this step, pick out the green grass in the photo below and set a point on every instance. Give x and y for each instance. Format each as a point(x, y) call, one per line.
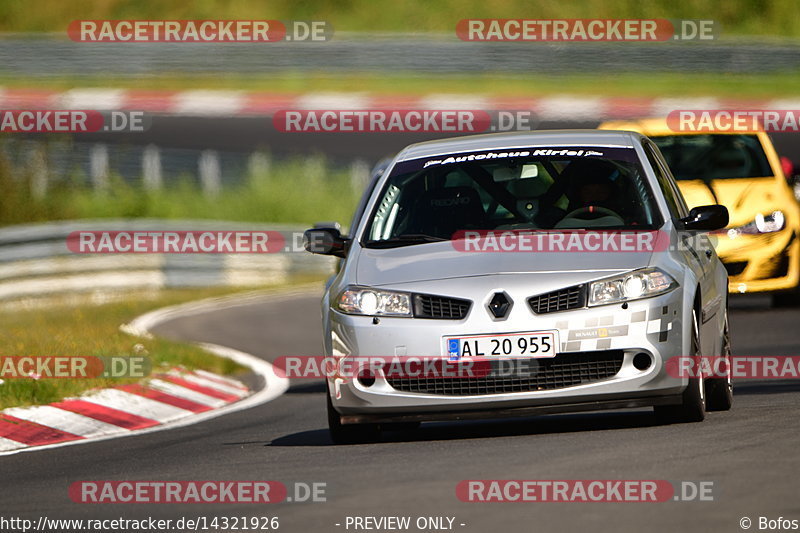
point(93, 330)
point(761, 85)
point(301, 192)
point(737, 17)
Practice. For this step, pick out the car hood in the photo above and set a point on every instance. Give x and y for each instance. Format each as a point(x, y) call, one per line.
point(744, 198)
point(434, 261)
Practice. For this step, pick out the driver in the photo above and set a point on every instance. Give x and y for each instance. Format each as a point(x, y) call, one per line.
point(596, 188)
point(595, 197)
point(595, 192)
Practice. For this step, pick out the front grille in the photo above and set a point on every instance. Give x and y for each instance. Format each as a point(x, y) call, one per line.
point(430, 306)
point(782, 269)
point(560, 300)
point(565, 370)
point(735, 268)
point(776, 266)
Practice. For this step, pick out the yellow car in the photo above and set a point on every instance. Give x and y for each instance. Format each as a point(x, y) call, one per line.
point(760, 247)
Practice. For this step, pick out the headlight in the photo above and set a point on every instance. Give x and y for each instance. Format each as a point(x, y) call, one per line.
point(374, 302)
point(771, 223)
point(631, 286)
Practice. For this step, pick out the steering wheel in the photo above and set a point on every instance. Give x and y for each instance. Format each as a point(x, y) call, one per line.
point(578, 213)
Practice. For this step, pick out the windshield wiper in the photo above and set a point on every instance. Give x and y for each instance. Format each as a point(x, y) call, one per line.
point(406, 239)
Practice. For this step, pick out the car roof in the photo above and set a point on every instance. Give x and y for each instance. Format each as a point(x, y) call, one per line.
point(526, 139)
point(645, 126)
point(658, 127)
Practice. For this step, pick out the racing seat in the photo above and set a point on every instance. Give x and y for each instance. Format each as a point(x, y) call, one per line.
point(442, 212)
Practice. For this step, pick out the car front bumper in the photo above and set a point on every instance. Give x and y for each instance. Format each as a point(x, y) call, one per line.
point(651, 326)
point(768, 262)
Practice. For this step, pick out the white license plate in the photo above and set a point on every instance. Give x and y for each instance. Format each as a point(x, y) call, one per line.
point(525, 344)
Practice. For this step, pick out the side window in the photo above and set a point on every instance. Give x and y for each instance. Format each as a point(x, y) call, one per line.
point(362, 204)
point(677, 207)
point(682, 207)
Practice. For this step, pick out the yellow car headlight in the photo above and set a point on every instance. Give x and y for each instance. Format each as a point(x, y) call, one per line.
point(770, 223)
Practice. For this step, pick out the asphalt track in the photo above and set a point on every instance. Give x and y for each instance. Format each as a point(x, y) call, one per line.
point(750, 453)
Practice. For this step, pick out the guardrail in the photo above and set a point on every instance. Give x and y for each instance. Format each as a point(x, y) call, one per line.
point(35, 260)
point(152, 167)
point(37, 55)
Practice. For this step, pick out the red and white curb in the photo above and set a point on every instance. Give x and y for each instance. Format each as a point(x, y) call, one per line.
point(217, 103)
point(119, 410)
point(166, 400)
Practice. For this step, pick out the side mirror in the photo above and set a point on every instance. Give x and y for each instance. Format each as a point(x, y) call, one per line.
point(325, 241)
point(706, 218)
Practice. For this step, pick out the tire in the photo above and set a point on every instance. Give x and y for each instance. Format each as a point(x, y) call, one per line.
point(719, 391)
point(349, 433)
point(693, 405)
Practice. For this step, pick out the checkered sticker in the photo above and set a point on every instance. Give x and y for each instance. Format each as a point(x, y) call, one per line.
point(607, 332)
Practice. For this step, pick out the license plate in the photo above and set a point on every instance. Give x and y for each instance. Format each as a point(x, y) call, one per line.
point(526, 344)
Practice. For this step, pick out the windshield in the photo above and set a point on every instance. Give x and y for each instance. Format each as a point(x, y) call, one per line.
point(430, 199)
point(714, 156)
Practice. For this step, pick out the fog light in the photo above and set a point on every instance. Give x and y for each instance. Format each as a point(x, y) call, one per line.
point(366, 378)
point(642, 361)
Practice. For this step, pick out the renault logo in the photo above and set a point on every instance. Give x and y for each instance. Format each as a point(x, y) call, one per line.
point(500, 305)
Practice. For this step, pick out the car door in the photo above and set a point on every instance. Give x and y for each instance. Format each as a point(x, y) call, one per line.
point(696, 248)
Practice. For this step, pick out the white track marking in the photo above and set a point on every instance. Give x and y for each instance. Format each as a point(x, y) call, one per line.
point(663, 106)
point(570, 108)
point(211, 384)
point(456, 102)
point(206, 103)
point(7, 445)
point(100, 99)
point(56, 418)
point(137, 405)
point(215, 377)
point(332, 100)
point(186, 394)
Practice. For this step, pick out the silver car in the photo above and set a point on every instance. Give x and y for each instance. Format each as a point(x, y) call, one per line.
point(566, 263)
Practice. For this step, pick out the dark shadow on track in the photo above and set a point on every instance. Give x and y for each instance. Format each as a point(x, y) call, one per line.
point(306, 388)
point(444, 431)
point(315, 437)
point(750, 302)
point(771, 386)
